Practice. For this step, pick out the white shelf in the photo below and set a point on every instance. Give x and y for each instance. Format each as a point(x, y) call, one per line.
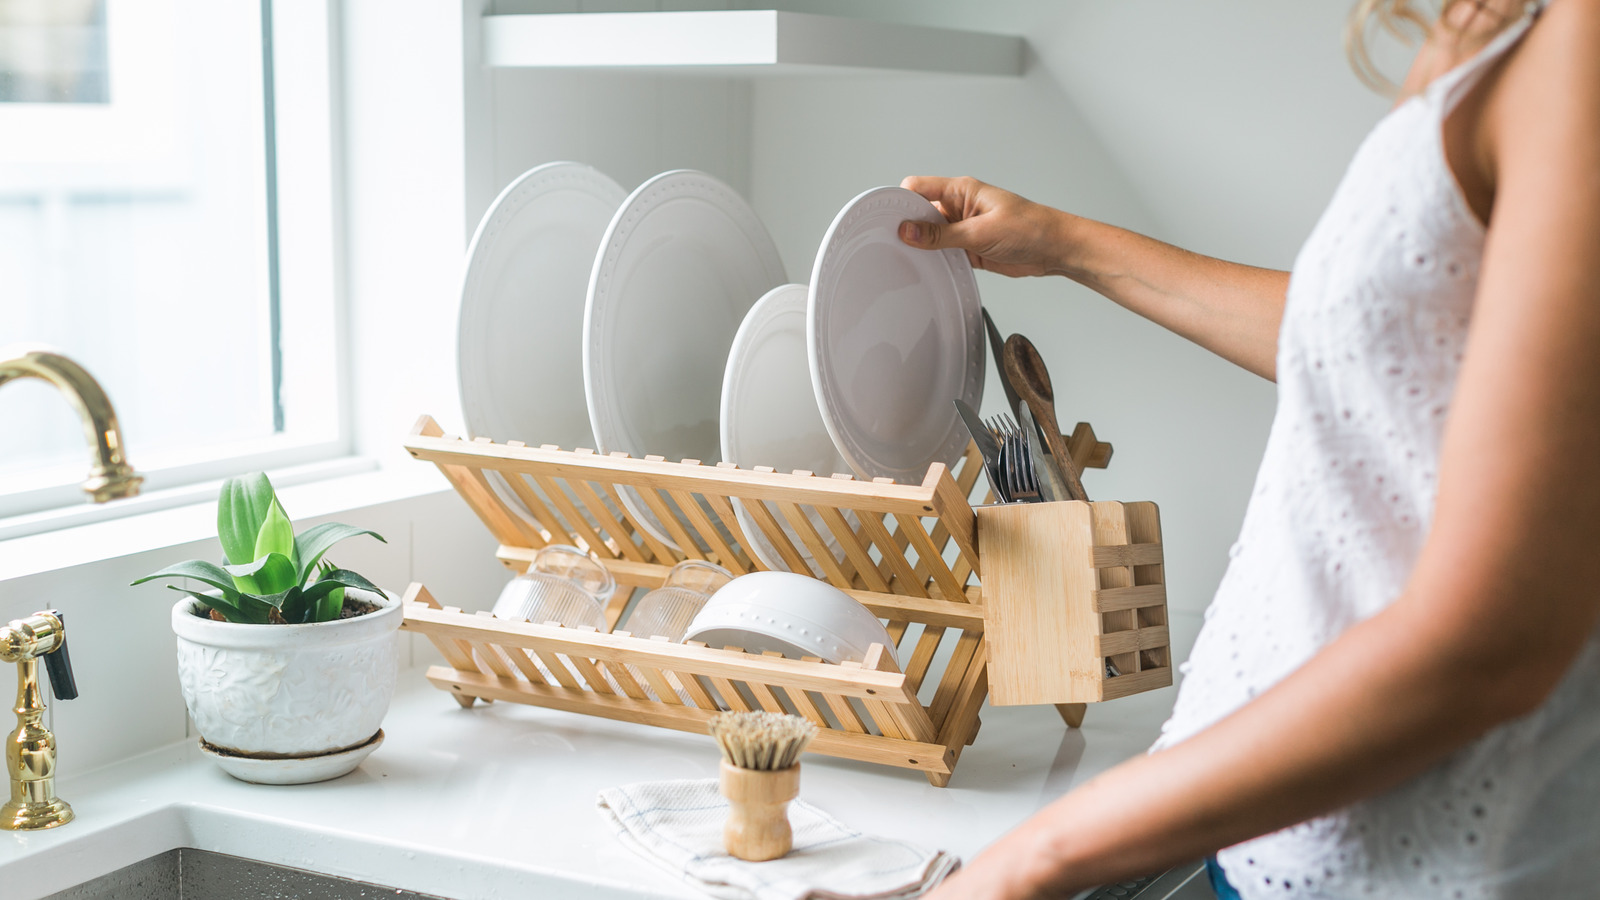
point(742, 42)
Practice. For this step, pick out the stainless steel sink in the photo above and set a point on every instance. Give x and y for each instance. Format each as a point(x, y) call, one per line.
point(189, 874)
point(1185, 882)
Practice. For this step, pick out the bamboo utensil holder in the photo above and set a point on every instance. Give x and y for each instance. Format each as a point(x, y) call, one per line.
point(913, 554)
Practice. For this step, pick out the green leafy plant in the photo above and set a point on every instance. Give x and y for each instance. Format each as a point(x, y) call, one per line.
point(272, 575)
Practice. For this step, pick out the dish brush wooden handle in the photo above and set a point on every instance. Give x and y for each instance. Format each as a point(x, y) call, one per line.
point(758, 811)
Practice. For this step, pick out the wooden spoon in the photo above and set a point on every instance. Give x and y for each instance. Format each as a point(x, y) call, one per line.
point(1025, 369)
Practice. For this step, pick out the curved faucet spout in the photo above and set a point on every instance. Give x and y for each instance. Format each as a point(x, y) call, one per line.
point(110, 477)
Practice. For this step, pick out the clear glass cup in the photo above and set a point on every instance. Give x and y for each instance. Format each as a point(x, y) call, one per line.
point(668, 610)
point(576, 566)
point(563, 584)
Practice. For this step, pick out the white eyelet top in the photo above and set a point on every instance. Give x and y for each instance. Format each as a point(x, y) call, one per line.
point(1379, 304)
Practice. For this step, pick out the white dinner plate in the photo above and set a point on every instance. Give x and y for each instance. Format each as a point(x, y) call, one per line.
point(683, 260)
point(519, 359)
point(894, 334)
point(770, 417)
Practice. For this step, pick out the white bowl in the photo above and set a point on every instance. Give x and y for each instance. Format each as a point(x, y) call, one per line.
point(795, 615)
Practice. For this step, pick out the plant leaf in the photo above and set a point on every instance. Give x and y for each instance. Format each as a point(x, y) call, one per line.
point(348, 579)
point(315, 541)
point(329, 607)
point(272, 573)
point(276, 534)
point(296, 607)
point(250, 611)
point(200, 570)
point(329, 592)
point(242, 506)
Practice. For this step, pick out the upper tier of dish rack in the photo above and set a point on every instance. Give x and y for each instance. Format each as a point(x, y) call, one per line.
point(910, 553)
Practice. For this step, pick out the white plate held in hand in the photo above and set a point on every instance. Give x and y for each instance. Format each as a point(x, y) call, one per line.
point(895, 334)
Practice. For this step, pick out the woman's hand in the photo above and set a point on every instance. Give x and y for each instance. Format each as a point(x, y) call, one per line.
point(1229, 309)
point(1000, 231)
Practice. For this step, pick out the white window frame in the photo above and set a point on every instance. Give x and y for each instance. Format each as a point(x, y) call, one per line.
point(304, 169)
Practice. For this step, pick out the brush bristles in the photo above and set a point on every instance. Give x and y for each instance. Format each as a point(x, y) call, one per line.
point(764, 741)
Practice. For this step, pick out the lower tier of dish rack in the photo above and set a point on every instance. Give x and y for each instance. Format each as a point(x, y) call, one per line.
point(867, 711)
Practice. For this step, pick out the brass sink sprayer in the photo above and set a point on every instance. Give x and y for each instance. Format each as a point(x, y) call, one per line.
point(31, 748)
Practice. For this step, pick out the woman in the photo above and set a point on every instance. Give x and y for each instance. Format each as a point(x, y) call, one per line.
point(1397, 689)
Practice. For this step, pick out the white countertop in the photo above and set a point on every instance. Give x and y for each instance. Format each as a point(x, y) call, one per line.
point(497, 800)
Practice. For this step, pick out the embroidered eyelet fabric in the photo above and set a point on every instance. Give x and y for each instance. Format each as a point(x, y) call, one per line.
point(1379, 304)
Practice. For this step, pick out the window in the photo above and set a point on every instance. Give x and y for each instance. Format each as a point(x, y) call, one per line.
point(166, 219)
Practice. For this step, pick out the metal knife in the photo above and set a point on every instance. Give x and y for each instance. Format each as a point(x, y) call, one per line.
point(1051, 485)
point(988, 445)
point(996, 346)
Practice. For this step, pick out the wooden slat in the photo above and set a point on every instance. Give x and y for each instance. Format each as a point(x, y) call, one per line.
point(687, 545)
point(1109, 526)
point(961, 724)
point(962, 659)
point(696, 690)
point(730, 694)
point(622, 678)
point(703, 526)
point(558, 669)
point(928, 555)
point(1132, 641)
point(1126, 555)
point(883, 498)
point(577, 529)
point(956, 516)
point(806, 703)
point(844, 713)
point(904, 576)
point(776, 537)
point(1149, 679)
point(622, 535)
point(1113, 599)
point(724, 511)
point(530, 534)
point(506, 528)
point(658, 550)
point(664, 690)
point(547, 519)
point(820, 552)
point(930, 758)
point(922, 656)
point(854, 550)
point(909, 718)
point(591, 674)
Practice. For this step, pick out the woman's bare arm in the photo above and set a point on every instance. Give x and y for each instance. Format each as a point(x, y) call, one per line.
point(1230, 309)
point(1504, 593)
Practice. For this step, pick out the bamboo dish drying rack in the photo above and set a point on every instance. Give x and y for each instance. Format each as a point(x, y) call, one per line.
point(1071, 585)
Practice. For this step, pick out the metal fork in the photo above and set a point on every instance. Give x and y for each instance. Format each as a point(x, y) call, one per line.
point(1022, 482)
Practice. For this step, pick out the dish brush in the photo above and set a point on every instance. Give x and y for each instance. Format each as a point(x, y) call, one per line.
point(760, 774)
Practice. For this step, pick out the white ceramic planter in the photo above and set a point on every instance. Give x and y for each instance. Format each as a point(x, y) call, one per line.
point(289, 692)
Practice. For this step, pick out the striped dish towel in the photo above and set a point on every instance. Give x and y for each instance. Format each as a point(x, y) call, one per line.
point(678, 826)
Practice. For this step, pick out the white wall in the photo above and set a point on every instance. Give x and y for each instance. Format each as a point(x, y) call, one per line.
point(1220, 126)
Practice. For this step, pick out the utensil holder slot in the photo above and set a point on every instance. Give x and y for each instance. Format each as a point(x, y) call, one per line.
point(909, 553)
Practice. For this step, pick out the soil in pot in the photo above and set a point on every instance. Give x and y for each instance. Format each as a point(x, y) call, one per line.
point(352, 608)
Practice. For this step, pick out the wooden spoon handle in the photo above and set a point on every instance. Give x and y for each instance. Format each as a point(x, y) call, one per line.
point(1025, 369)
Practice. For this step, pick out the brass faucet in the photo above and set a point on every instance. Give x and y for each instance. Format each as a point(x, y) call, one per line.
point(31, 748)
point(110, 477)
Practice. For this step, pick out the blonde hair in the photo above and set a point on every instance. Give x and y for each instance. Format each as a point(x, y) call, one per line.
point(1411, 23)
